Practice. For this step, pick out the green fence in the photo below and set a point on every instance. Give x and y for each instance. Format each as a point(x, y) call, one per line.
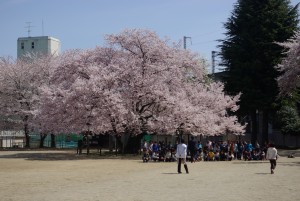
point(61, 140)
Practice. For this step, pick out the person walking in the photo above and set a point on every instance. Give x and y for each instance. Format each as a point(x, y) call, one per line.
point(79, 146)
point(181, 153)
point(272, 156)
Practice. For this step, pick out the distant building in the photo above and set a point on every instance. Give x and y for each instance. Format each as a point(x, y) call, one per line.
point(38, 45)
point(12, 139)
point(219, 76)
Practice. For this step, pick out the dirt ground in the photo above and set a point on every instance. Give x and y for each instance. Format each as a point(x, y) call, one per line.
point(63, 176)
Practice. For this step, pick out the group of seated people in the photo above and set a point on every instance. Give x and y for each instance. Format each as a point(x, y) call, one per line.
point(227, 151)
point(158, 152)
point(167, 155)
point(217, 156)
point(211, 151)
point(256, 154)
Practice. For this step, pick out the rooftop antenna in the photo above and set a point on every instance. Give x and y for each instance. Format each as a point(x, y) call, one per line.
point(42, 27)
point(29, 28)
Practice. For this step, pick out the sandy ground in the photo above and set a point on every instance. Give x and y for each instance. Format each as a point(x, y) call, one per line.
point(63, 176)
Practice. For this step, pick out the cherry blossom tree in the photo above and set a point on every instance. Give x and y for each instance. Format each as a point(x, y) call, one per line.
point(84, 95)
point(168, 87)
point(154, 73)
point(19, 90)
point(137, 84)
point(210, 110)
point(289, 81)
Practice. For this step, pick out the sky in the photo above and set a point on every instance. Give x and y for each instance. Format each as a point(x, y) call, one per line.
point(82, 24)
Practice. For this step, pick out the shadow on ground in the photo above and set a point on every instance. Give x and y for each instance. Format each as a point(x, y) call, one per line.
point(262, 173)
point(290, 163)
point(63, 156)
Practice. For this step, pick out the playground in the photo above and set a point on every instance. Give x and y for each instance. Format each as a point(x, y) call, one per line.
point(65, 176)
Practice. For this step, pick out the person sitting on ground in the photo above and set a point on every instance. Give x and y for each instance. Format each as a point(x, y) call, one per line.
point(145, 155)
point(200, 156)
point(222, 156)
point(263, 155)
point(230, 156)
point(205, 155)
point(161, 155)
point(247, 155)
point(211, 155)
point(255, 155)
point(217, 156)
point(155, 156)
point(168, 156)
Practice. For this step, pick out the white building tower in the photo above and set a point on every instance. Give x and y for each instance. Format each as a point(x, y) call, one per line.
point(38, 45)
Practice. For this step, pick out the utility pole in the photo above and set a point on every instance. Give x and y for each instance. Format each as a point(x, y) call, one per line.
point(213, 61)
point(184, 41)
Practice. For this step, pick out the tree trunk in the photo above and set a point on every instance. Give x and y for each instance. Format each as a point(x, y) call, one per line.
point(254, 129)
point(119, 143)
point(265, 126)
point(27, 141)
point(43, 137)
point(53, 144)
point(133, 144)
point(26, 130)
point(87, 142)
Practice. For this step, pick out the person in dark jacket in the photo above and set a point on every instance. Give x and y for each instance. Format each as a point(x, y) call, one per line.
point(192, 149)
point(79, 146)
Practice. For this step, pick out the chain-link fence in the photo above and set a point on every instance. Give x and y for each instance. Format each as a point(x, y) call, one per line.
point(17, 140)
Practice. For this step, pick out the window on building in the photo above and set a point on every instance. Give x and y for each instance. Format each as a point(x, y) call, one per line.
point(22, 46)
point(32, 45)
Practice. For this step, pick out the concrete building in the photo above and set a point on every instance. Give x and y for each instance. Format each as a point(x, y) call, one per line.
point(38, 45)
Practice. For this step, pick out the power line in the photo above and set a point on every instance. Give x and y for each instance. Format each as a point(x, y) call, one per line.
point(204, 42)
point(207, 33)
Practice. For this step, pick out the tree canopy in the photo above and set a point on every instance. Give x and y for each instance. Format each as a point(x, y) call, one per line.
point(250, 52)
point(137, 83)
point(289, 81)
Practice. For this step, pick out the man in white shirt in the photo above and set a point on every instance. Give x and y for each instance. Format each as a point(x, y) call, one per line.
point(272, 157)
point(181, 153)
